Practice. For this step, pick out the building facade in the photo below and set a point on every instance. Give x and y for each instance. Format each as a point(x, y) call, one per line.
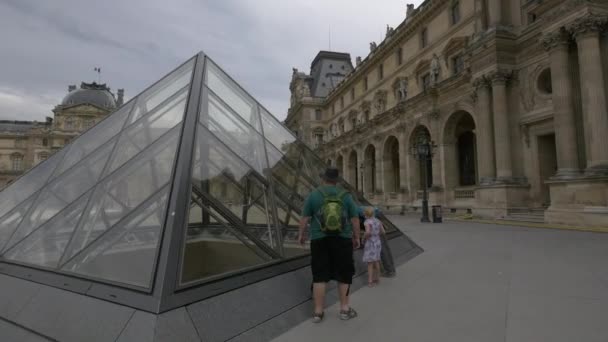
point(24, 144)
point(512, 94)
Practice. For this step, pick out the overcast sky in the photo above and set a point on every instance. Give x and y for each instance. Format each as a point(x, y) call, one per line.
point(45, 45)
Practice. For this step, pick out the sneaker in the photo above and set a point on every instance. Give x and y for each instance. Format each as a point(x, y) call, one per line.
point(345, 315)
point(318, 318)
point(389, 274)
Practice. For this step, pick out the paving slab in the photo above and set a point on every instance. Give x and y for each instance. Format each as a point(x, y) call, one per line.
point(482, 282)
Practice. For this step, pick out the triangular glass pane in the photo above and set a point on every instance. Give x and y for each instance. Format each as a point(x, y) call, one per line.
point(126, 189)
point(10, 221)
point(45, 246)
point(149, 128)
point(274, 132)
point(230, 92)
point(215, 249)
point(176, 81)
point(238, 135)
point(62, 191)
point(29, 183)
point(95, 137)
point(127, 252)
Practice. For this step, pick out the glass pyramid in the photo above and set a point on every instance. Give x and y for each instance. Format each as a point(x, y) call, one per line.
point(189, 182)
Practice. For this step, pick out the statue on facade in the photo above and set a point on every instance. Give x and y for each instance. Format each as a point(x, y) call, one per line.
point(435, 69)
point(402, 89)
point(389, 31)
point(358, 61)
point(372, 46)
point(410, 10)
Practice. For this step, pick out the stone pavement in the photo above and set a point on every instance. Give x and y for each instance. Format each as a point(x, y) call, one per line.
point(482, 282)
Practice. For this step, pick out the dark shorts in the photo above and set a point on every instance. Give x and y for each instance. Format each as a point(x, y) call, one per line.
point(332, 259)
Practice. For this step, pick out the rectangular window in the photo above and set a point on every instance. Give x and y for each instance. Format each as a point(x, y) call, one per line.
point(17, 163)
point(318, 114)
point(381, 72)
point(399, 56)
point(424, 38)
point(365, 85)
point(333, 109)
point(352, 94)
point(45, 142)
point(342, 102)
point(353, 123)
point(455, 12)
point(457, 64)
point(426, 81)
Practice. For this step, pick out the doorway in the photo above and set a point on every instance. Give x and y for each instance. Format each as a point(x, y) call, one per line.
point(547, 164)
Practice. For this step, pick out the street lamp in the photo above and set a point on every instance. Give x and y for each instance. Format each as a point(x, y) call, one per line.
point(423, 151)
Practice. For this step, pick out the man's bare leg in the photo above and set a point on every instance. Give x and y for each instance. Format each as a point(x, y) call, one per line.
point(318, 295)
point(344, 296)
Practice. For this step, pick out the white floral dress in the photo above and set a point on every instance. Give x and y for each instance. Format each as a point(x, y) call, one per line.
point(373, 244)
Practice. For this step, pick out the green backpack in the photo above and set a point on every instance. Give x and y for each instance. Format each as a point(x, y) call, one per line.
point(332, 213)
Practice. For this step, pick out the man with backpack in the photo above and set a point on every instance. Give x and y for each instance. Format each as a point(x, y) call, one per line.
point(334, 232)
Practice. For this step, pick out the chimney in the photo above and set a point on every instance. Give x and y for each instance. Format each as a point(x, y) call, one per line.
point(71, 88)
point(358, 61)
point(121, 96)
point(410, 10)
point(49, 120)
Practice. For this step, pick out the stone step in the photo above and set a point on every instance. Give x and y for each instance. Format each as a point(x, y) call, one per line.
point(525, 218)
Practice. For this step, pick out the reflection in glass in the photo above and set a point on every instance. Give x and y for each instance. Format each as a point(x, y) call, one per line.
point(95, 137)
point(126, 253)
point(144, 132)
point(45, 246)
point(62, 191)
point(29, 183)
point(164, 89)
point(125, 190)
point(246, 142)
point(231, 93)
point(11, 221)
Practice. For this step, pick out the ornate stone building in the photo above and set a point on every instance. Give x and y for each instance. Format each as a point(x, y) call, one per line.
point(24, 144)
point(512, 93)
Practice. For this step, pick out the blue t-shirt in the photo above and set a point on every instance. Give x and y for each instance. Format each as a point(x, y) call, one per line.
point(313, 204)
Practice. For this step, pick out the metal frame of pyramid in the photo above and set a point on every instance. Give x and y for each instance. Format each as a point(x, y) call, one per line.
point(145, 171)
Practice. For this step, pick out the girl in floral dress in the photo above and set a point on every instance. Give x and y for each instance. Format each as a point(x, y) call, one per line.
point(373, 246)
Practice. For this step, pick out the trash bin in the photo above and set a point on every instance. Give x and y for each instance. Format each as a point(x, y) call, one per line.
point(437, 214)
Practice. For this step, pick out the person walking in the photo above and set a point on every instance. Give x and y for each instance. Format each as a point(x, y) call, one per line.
point(334, 233)
point(386, 256)
point(372, 246)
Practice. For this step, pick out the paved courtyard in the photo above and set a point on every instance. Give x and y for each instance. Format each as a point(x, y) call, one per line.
point(481, 282)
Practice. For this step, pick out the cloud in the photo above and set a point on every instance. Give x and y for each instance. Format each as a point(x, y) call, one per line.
point(48, 45)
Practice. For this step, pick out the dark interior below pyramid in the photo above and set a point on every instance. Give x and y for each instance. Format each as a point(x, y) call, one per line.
point(181, 201)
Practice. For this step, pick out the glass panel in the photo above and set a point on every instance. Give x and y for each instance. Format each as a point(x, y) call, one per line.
point(235, 133)
point(94, 138)
point(63, 191)
point(11, 221)
point(127, 252)
point(215, 249)
point(243, 104)
point(45, 246)
point(144, 132)
point(274, 132)
point(126, 189)
point(29, 183)
point(210, 237)
point(167, 87)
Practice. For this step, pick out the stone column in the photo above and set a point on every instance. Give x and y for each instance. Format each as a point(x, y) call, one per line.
point(502, 132)
point(495, 12)
point(485, 135)
point(587, 33)
point(379, 186)
point(556, 44)
point(403, 152)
